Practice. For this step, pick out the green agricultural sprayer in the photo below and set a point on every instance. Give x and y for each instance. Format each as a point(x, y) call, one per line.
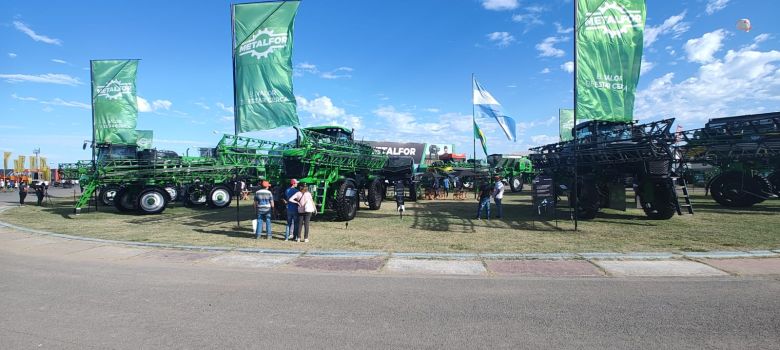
point(518, 170)
point(610, 157)
point(745, 150)
point(340, 170)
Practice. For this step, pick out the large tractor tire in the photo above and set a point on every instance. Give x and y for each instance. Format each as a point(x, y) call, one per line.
point(376, 193)
point(152, 200)
point(516, 183)
point(736, 189)
point(219, 197)
point(124, 200)
point(173, 192)
point(346, 201)
point(194, 198)
point(774, 179)
point(107, 195)
point(587, 199)
point(658, 199)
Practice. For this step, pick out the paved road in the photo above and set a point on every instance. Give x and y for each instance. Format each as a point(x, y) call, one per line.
point(50, 302)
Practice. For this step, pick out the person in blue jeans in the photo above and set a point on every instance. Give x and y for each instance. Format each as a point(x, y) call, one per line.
point(292, 211)
point(264, 205)
point(484, 200)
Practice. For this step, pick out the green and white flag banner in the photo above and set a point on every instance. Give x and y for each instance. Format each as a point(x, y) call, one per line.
point(609, 54)
point(144, 139)
point(566, 123)
point(114, 104)
point(263, 44)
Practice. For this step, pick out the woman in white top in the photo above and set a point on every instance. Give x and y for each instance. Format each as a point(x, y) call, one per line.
point(306, 209)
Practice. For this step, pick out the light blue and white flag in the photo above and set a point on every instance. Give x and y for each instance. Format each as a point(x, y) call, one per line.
point(487, 107)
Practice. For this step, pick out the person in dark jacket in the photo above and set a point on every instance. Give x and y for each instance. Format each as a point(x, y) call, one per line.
point(22, 192)
point(485, 191)
point(40, 192)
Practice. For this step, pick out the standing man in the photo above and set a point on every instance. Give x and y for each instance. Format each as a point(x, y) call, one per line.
point(40, 192)
point(484, 200)
point(498, 195)
point(264, 205)
point(292, 211)
point(446, 186)
point(22, 192)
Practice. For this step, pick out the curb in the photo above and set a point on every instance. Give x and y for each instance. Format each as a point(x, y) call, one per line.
point(589, 256)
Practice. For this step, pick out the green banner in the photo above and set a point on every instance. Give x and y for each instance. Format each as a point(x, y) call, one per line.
point(609, 54)
point(262, 53)
point(482, 139)
point(565, 123)
point(144, 139)
point(114, 104)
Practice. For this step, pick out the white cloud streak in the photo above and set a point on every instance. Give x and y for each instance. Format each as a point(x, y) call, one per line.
point(547, 47)
point(672, 25)
point(502, 39)
point(35, 36)
point(48, 78)
point(500, 5)
point(701, 49)
point(715, 6)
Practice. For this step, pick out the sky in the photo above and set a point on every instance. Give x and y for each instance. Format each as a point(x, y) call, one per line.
point(392, 70)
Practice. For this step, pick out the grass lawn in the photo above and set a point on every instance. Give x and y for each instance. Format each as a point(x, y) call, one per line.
point(432, 226)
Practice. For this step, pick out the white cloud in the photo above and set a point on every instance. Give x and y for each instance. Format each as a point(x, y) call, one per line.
point(741, 80)
point(701, 49)
point(322, 110)
point(56, 60)
point(406, 123)
point(161, 104)
point(48, 78)
point(55, 102)
point(716, 5)
point(545, 71)
point(143, 104)
point(20, 98)
point(12, 55)
point(568, 66)
point(37, 37)
point(544, 139)
point(203, 105)
point(646, 66)
point(61, 102)
point(530, 19)
point(547, 47)
point(673, 25)
point(224, 108)
point(334, 75)
point(757, 40)
point(145, 107)
point(500, 5)
point(560, 30)
point(304, 68)
point(432, 110)
point(502, 39)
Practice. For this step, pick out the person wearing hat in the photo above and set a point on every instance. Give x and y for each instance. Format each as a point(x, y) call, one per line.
point(264, 205)
point(498, 195)
point(292, 211)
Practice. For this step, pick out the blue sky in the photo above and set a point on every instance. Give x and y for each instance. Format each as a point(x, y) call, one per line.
point(393, 70)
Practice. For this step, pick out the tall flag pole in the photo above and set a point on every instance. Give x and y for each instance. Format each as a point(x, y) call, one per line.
point(575, 195)
point(262, 44)
point(474, 122)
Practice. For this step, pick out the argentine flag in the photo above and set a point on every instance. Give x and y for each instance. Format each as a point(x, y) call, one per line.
point(488, 107)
